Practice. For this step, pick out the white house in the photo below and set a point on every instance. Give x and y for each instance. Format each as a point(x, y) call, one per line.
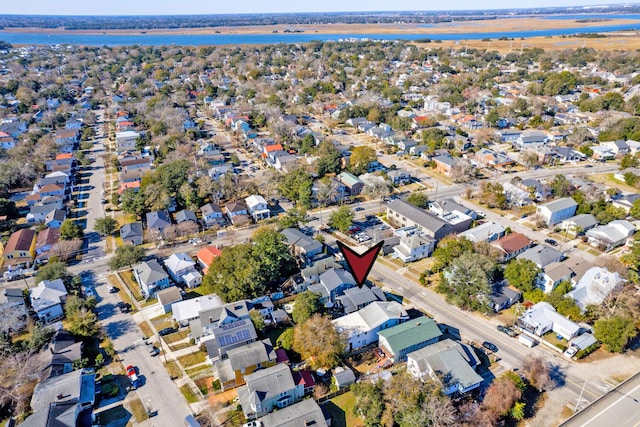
point(557, 210)
point(595, 286)
point(611, 235)
point(415, 247)
point(361, 327)
point(180, 266)
point(542, 318)
point(47, 299)
point(487, 232)
point(187, 310)
point(212, 215)
point(126, 141)
point(258, 207)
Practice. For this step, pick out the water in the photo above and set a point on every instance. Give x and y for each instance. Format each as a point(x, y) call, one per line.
point(593, 16)
point(274, 38)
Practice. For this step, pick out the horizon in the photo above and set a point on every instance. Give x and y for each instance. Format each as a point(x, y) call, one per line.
point(169, 8)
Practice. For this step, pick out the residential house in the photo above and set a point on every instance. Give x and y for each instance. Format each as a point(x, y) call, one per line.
point(168, 297)
point(361, 327)
point(503, 296)
point(541, 255)
point(444, 164)
point(47, 239)
point(47, 300)
point(20, 248)
point(229, 333)
point(132, 233)
point(206, 255)
point(151, 277)
point(268, 389)
point(618, 147)
point(451, 363)
point(185, 311)
point(414, 247)
point(567, 154)
point(212, 215)
point(611, 235)
point(343, 377)
point(55, 218)
point(625, 201)
point(485, 232)
point(157, 221)
point(186, 215)
point(303, 246)
point(602, 153)
point(536, 189)
point(406, 145)
point(512, 245)
point(554, 274)
point(311, 274)
point(135, 163)
point(352, 183)
point(64, 351)
point(357, 298)
point(179, 266)
point(126, 141)
point(404, 214)
point(243, 361)
point(332, 284)
point(63, 401)
point(237, 212)
point(515, 195)
point(7, 142)
point(38, 212)
point(399, 177)
point(491, 159)
point(579, 224)
point(409, 336)
point(258, 207)
point(557, 210)
point(595, 286)
point(208, 321)
point(542, 318)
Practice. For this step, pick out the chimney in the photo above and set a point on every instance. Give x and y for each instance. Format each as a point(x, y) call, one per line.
point(59, 396)
point(210, 319)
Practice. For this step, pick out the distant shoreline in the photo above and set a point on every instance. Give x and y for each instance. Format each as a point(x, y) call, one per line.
point(481, 26)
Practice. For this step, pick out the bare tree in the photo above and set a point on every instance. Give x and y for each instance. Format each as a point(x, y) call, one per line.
point(20, 374)
point(66, 249)
point(501, 396)
point(536, 370)
point(13, 318)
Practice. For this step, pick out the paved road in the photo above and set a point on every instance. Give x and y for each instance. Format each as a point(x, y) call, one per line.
point(620, 408)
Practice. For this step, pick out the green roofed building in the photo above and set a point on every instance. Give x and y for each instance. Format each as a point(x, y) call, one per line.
point(410, 336)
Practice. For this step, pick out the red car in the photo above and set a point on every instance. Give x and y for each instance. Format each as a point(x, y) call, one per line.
point(132, 373)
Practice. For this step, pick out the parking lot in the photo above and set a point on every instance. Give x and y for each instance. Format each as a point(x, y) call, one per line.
point(369, 230)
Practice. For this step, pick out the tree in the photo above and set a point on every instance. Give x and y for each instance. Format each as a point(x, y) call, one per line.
point(466, 282)
point(106, 225)
point(70, 230)
point(126, 256)
point(272, 254)
point(560, 186)
point(257, 319)
point(307, 304)
point(235, 275)
point(83, 323)
point(297, 186)
point(522, 273)
point(420, 200)
point(328, 158)
point(318, 341)
point(53, 270)
point(448, 249)
point(501, 396)
point(536, 370)
point(341, 219)
point(493, 195)
point(360, 159)
point(20, 372)
point(285, 340)
point(132, 202)
point(615, 332)
point(369, 402)
point(64, 250)
point(635, 209)
point(292, 218)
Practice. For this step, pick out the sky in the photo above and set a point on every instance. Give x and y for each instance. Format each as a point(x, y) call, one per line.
point(197, 7)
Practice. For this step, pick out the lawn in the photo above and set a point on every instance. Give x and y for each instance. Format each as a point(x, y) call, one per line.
point(146, 329)
point(189, 394)
point(200, 371)
point(173, 369)
point(274, 333)
point(552, 338)
point(178, 336)
point(189, 360)
point(180, 346)
point(341, 410)
point(116, 416)
point(138, 410)
point(130, 281)
point(162, 322)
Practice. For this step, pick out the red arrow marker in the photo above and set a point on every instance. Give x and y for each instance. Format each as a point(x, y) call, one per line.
point(360, 265)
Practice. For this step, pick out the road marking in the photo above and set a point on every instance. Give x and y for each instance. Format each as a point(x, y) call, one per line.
point(586, 390)
point(626, 395)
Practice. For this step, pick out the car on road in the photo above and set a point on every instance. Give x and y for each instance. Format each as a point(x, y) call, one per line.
point(490, 346)
point(551, 242)
point(112, 289)
point(167, 331)
point(154, 351)
point(506, 330)
point(359, 208)
point(124, 307)
point(132, 373)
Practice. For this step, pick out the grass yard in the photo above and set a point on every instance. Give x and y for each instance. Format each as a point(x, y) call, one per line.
point(189, 360)
point(341, 410)
point(116, 416)
point(200, 371)
point(146, 329)
point(149, 302)
point(130, 281)
point(189, 394)
point(173, 369)
point(138, 409)
point(180, 346)
point(162, 322)
point(178, 336)
point(274, 333)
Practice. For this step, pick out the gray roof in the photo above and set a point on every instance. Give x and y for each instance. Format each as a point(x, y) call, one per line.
point(483, 231)
point(542, 255)
point(74, 386)
point(169, 295)
point(133, 229)
point(271, 382)
point(355, 297)
point(301, 240)
point(251, 354)
point(186, 215)
point(454, 362)
point(158, 219)
point(560, 204)
point(583, 220)
point(210, 208)
point(344, 377)
point(230, 335)
point(583, 341)
point(333, 278)
point(319, 266)
point(150, 271)
point(417, 215)
point(302, 414)
point(237, 309)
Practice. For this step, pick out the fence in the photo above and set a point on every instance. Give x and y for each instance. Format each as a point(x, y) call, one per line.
point(333, 394)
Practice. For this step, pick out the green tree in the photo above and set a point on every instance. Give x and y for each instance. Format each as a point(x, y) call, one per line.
point(235, 275)
point(70, 230)
point(420, 200)
point(635, 209)
point(560, 186)
point(272, 254)
point(341, 219)
point(492, 117)
point(132, 202)
point(106, 225)
point(466, 282)
point(360, 159)
point(628, 161)
point(307, 304)
point(559, 83)
point(285, 340)
point(53, 270)
point(328, 158)
point(257, 319)
point(126, 256)
point(615, 332)
point(493, 195)
point(297, 186)
point(369, 402)
point(318, 341)
point(83, 323)
point(448, 249)
point(292, 218)
point(522, 273)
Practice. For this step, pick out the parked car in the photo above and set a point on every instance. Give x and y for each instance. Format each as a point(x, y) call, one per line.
point(124, 307)
point(112, 289)
point(167, 331)
point(506, 330)
point(358, 209)
point(551, 242)
point(489, 346)
point(132, 373)
point(154, 351)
